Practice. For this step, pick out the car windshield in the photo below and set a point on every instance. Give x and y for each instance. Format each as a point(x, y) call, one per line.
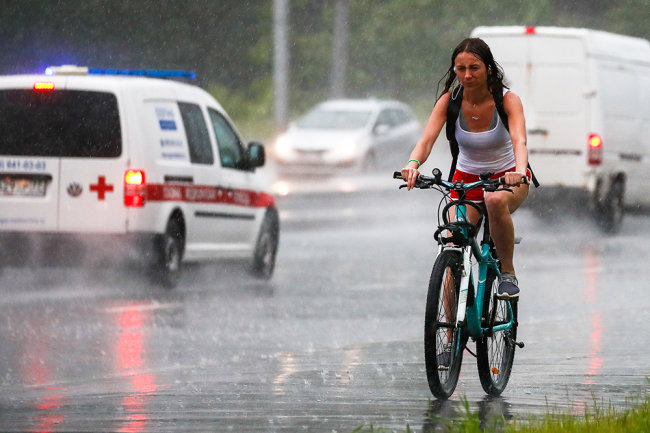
point(321, 118)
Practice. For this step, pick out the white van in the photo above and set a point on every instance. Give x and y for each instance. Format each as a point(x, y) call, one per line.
point(585, 95)
point(146, 168)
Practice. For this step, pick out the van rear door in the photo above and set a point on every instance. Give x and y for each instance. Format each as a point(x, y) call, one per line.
point(91, 187)
point(58, 153)
point(549, 73)
point(29, 171)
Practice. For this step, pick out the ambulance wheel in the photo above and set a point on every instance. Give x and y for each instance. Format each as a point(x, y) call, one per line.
point(168, 253)
point(267, 246)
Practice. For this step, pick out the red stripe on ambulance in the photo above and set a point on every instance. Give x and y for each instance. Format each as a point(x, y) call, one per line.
point(206, 194)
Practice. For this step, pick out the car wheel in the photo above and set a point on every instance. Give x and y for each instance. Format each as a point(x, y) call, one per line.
point(267, 246)
point(168, 252)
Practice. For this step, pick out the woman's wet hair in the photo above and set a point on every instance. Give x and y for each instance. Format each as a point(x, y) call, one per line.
point(477, 47)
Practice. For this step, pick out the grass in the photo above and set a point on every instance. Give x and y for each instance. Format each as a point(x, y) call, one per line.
point(595, 420)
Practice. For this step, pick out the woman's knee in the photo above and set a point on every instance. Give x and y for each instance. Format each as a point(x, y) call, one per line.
point(502, 201)
point(496, 201)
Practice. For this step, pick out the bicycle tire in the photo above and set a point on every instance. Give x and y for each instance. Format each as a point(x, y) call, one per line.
point(495, 353)
point(440, 325)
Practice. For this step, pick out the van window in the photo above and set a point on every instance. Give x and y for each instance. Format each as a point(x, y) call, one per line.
point(196, 131)
point(231, 149)
point(59, 123)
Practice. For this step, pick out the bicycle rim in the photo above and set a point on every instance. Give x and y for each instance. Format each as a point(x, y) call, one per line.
point(439, 326)
point(495, 352)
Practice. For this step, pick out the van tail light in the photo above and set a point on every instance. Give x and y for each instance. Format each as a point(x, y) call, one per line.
point(134, 188)
point(595, 149)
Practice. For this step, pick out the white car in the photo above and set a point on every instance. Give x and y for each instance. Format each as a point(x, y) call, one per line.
point(136, 167)
point(362, 133)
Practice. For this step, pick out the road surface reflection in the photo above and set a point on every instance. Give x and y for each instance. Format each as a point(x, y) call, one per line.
point(130, 352)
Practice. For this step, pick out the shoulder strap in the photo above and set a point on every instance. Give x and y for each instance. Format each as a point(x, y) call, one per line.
point(498, 103)
point(453, 110)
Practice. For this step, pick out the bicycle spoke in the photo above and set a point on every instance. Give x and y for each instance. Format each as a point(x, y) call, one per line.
point(495, 351)
point(443, 342)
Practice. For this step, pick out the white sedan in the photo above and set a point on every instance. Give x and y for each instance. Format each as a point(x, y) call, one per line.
point(364, 134)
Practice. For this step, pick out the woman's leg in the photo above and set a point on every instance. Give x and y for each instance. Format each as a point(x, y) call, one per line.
point(500, 205)
point(448, 300)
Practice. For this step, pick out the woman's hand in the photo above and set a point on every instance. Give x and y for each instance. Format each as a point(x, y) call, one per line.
point(515, 178)
point(410, 175)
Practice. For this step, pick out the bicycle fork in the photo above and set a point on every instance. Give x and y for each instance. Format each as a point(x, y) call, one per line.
point(464, 286)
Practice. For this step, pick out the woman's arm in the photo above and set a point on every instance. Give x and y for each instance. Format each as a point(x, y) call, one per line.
point(517, 125)
point(423, 147)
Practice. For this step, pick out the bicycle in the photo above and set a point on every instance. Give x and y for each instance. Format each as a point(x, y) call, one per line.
point(459, 306)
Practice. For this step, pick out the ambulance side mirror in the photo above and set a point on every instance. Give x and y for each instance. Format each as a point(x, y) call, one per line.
point(256, 156)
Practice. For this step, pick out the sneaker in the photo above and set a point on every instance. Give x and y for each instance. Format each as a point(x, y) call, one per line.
point(508, 287)
point(444, 357)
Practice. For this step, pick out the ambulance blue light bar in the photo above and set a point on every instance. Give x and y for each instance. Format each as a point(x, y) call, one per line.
point(153, 73)
point(82, 70)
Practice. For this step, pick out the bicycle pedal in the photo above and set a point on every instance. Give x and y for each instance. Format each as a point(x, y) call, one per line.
point(519, 344)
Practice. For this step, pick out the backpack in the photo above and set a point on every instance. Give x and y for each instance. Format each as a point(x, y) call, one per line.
point(453, 110)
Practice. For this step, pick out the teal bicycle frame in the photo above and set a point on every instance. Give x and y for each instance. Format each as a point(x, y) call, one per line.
point(470, 315)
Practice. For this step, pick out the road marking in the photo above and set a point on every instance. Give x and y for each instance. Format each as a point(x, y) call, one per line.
point(152, 306)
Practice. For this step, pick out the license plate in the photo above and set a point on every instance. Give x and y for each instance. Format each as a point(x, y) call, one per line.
point(17, 185)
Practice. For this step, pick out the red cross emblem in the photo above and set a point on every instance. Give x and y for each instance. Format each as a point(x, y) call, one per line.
point(101, 188)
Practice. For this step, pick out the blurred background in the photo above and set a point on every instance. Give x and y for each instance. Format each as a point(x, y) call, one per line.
point(353, 48)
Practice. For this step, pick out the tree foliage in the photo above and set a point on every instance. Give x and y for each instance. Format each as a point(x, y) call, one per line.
point(398, 48)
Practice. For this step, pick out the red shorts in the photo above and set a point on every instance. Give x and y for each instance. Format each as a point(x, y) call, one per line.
point(477, 194)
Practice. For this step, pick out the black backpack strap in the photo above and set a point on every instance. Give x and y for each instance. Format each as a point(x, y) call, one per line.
point(498, 102)
point(453, 110)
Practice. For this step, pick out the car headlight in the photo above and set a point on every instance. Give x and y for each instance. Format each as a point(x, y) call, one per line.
point(282, 145)
point(346, 148)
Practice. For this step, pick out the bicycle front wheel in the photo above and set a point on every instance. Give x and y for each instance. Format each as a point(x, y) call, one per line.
point(495, 352)
point(444, 343)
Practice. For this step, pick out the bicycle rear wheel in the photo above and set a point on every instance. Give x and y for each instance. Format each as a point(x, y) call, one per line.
point(495, 352)
point(444, 343)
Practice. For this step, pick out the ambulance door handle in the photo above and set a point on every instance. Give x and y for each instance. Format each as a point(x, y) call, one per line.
point(178, 179)
point(230, 192)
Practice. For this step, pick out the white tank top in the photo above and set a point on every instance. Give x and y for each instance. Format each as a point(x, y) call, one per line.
point(484, 151)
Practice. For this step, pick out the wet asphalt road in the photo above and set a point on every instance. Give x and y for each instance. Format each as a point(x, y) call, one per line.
point(333, 341)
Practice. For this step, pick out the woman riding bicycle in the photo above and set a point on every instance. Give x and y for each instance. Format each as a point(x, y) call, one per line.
point(484, 145)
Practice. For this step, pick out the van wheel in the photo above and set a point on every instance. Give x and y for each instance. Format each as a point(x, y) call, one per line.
point(168, 251)
point(611, 209)
point(267, 246)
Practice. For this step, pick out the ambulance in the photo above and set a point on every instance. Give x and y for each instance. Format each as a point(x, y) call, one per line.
point(137, 164)
point(585, 95)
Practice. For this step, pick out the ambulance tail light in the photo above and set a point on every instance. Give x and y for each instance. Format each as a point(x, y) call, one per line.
point(43, 86)
point(134, 188)
point(595, 149)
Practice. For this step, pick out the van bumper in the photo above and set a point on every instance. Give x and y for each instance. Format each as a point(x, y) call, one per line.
point(75, 249)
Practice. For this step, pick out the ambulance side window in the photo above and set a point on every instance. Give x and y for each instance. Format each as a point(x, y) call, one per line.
point(230, 146)
point(198, 139)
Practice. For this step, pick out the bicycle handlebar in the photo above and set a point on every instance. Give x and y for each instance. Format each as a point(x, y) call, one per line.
point(426, 182)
